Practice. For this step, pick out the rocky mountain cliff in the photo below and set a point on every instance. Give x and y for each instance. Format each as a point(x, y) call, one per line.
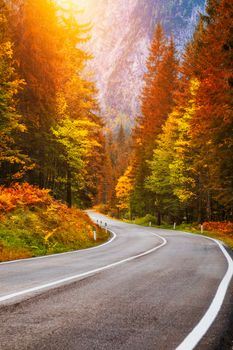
point(121, 35)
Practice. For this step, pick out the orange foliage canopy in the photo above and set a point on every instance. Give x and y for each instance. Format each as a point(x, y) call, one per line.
point(22, 195)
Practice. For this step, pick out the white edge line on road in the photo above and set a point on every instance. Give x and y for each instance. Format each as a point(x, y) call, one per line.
point(194, 337)
point(85, 274)
point(59, 254)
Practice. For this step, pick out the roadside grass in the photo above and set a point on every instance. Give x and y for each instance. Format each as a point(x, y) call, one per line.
point(226, 237)
point(35, 228)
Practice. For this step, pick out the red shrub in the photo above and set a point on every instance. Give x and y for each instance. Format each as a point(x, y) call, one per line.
point(225, 227)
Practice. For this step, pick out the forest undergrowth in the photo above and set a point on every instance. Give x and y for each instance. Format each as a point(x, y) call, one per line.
point(32, 224)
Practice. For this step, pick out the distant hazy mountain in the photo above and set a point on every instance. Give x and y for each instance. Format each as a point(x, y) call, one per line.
point(122, 32)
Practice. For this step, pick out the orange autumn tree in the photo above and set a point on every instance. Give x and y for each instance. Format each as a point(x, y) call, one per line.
point(157, 102)
point(193, 156)
point(124, 190)
point(160, 84)
point(209, 59)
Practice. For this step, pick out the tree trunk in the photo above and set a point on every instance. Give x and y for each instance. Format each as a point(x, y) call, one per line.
point(208, 206)
point(130, 212)
point(68, 189)
point(41, 179)
point(199, 204)
point(159, 218)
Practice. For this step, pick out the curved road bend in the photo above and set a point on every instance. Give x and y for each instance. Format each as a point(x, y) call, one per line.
point(146, 289)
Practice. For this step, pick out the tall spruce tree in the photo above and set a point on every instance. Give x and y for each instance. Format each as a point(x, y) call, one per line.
point(13, 163)
point(38, 43)
point(157, 102)
point(64, 136)
point(210, 61)
point(197, 168)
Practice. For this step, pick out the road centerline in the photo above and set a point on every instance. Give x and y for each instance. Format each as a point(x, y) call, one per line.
point(85, 274)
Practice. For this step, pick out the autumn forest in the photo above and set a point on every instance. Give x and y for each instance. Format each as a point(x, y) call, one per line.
point(176, 162)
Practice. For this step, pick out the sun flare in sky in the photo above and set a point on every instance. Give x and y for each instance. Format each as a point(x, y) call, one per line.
point(84, 7)
point(76, 4)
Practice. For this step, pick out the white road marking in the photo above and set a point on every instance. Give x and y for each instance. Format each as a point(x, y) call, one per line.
point(59, 254)
point(194, 337)
point(85, 274)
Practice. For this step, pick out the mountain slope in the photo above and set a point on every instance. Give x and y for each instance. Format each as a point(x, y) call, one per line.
point(121, 34)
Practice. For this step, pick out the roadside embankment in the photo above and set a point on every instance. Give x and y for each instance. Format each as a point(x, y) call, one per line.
point(32, 224)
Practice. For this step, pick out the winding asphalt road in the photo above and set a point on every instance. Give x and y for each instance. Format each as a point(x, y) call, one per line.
point(145, 289)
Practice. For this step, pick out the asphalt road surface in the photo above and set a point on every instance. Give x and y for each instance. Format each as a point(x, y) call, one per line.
point(145, 289)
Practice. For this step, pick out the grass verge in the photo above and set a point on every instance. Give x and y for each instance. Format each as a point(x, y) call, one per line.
point(226, 237)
